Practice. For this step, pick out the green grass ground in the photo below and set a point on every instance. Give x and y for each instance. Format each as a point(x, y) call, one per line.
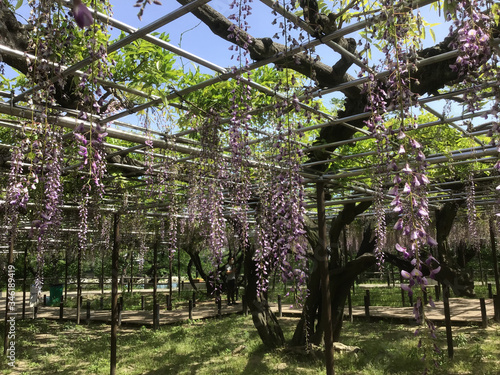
point(232, 346)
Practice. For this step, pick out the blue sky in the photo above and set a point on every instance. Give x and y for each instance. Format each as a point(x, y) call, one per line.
point(193, 36)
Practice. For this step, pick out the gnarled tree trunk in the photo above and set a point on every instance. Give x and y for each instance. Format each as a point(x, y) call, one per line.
point(263, 318)
point(311, 325)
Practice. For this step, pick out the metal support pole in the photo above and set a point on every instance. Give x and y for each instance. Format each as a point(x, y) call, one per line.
point(179, 273)
point(66, 260)
point(114, 292)
point(11, 274)
point(25, 272)
point(495, 266)
point(170, 269)
point(79, 285)
point(447, 319)
point(322, 258)
point(131, 281)
point(155, 280)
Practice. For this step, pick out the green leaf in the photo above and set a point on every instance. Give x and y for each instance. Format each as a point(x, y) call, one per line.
point(432, 34)
point(495, 10)
point(19, 4)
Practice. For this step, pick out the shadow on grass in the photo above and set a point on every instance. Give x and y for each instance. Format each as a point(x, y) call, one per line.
point(208, 348)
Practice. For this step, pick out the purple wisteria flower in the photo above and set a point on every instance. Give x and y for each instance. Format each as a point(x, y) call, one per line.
point(82, 14)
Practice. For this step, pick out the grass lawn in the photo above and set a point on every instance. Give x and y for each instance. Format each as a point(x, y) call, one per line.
point(232, 346)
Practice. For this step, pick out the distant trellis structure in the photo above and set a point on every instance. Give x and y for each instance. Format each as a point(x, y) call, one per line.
point(340, 104)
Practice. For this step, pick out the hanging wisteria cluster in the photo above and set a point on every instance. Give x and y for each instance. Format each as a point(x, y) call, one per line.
point(241, 104)
point(476, 63)
point(40, 141)
point(280, 218)
point(205, 198)
point(472, 40)
point(402, 153)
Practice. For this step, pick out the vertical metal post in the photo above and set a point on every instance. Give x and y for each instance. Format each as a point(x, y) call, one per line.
point(349, 304)
point(79, 285)
point(155, 280)
point(114, 292)
point(170, 269)
point(102, 272)
point(10, 265)
point(495, 267)
point(25, 275)
point(131, 271)
point(447, 319)
point(402, 291)
point(66, 261)
point(179, 273)
point(481, 272)
point(322, 258)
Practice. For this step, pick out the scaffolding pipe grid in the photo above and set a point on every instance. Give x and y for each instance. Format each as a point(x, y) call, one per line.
point(188, 150)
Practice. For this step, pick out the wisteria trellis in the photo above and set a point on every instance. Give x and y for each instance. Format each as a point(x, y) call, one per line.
point(281, 186)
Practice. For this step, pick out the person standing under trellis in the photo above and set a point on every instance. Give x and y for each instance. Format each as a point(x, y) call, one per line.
point(230, 281)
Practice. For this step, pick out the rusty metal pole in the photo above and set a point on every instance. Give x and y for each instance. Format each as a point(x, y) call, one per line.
point(322, 258)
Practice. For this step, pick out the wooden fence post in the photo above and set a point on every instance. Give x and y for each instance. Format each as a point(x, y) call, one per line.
point(61, 310)
point(88, 312)
point(484, 317)
point(367, 307)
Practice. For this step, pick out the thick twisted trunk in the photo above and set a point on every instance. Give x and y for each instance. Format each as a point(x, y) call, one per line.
point(263, 318)
point(311, 325)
